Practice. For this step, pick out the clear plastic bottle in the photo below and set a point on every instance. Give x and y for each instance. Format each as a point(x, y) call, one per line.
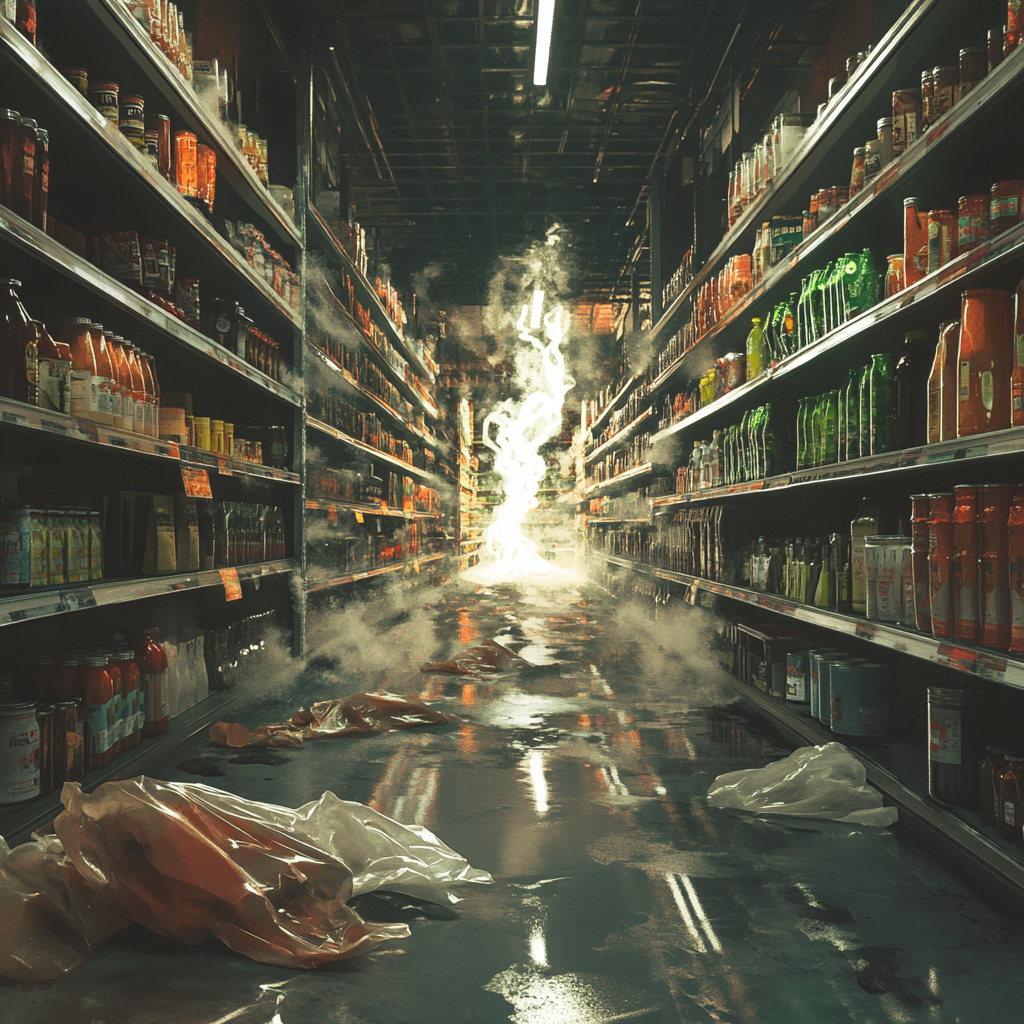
point(755, 355)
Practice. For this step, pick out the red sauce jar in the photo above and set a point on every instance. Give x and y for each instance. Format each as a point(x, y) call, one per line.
point(919, 561)
point(972, 222)
point(985, 361)
point(1015, 547)
point(964, 566)
point(117, 729)
point(994, 563)
point(132, 729)
point(940, 554)
point(102, 710)
point(1005, 205)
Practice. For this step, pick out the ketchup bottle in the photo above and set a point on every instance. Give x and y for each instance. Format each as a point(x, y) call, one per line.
point(99, 696)
point(154, 699)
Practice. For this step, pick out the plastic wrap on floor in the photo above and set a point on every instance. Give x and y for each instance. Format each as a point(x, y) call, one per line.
point(813, 782)
point(191, 862)
point(346, 716)
point(482, 660)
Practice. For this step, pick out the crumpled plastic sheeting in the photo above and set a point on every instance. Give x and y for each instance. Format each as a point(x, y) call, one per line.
point(813, 782)
point(189, 861)
point(488, 657)
point(50, 919)
point(346, 716)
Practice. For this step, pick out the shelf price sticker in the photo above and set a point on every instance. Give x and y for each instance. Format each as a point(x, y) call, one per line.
point(223, 468)
point(359, 517)
point(197, 482)
point(75, 600)
point(232, 587)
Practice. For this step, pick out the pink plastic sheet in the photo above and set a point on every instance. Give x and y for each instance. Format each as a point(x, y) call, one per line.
point(191, 862)
point(346, 716)
point(488, 657)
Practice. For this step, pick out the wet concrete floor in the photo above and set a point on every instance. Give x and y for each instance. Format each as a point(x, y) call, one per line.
point(580, 784)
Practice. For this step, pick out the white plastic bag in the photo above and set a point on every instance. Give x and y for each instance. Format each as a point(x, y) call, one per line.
point(813, 782)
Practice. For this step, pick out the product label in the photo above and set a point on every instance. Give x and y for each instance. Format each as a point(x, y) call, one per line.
point(142, 704)
point(868, 716)
point(104, 396)
point(54, 393)
point(28, 159)
point(965, 381)
point(987, 389)
point(158, 700)
point(1005, 206)
point(836, 708)
point(102, 720)
point(1009, 812)
point(19, 758)
point(944, 736)
point(114, 401)
point(796, 683)
point(117, 725)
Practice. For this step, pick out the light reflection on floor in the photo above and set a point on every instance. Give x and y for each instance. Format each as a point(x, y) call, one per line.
point(580, 783)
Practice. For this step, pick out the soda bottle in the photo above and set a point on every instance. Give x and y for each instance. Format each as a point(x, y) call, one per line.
point(754, 351)
point(881, 404)
point(831, 428)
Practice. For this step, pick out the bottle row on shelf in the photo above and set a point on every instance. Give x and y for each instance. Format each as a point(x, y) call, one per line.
point(913, 113)
point(133, 533)
point(336, 548)
point(67, 711)
point(365, 427)
point(361, 486)
point(975, 384)
point(620, 461)
point(953, 567)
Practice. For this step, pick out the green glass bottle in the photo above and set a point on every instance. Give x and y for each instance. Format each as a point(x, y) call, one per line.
point(742, 461)
point(831, 425)
point(835, 274)
point(864, 287)
point(849, 416)
point(881, 404)
point(864, 412)
point(769, 457)
point(801, 449)
point(790, 340)
point(848, 271)
point(805, 321)
point(818, 302)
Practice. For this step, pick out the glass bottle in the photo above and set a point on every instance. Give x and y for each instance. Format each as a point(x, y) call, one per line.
point(818, 302)
point(894, 274)
point(919, 561)
point(99, 697)
point(1012, 796)
point(153, 387)
point(915, 243)
point(54, 387)
point(19, 347)
point(865, 524)
point(864, 412)
point(880, 407)
point(849, 416)
point(985, 361)
point(716, 450)
point(940, 555)
point(41, 179)
point(120, 393)
point(994, 564)
point(754, 351)
point(831, 428)
point(910, 392)
point(964, 564)
point(801, 433)
point(154, 700)
point(106, 379)
point(989, 770)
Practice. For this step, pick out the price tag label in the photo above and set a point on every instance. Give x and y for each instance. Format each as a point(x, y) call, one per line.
point(223, 468)
point(384, 507)
point(53, 427)
point(359, 517)
point(332, 514)
point(416, 566)
point(232, 587)
point(197, 482)
point(13, 417)
point(75, 600)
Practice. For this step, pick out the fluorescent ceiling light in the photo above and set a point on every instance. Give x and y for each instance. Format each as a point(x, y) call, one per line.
point(545, 23)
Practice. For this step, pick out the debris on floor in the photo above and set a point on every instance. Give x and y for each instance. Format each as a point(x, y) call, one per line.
point(485, 658)
point(191, 862)
point(346, 716)
point(813, 782)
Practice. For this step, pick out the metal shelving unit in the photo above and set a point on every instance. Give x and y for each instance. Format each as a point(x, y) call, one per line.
point(406, 565)
point(618, 439)
point(387, 460)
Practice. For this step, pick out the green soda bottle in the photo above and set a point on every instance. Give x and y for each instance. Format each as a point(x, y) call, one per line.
point(835, 273)
point(881, 405)
point(755, 358)
point(805, 322)
point(864, 412)
point(831, 425)
point(769, 459)
point(818, 302)
point(864, 288)
point(849, 416)
point(848, 275)
point(789, 339)
point(741, 461)
point(808, 447)
point(801, 449)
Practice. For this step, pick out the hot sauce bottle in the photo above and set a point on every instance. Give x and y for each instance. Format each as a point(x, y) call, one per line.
point(139, 396)
point(915, 243)
point(151, 658)
point(130, 697)
point(120, 395)
point(964, 565)
point(940, 553)
point(105, 375)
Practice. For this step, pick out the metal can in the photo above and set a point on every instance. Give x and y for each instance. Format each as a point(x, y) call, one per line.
point(19, 752)
point(883, 570)
point(45, 721)
point(825, 663)
point(132, 120)
point(956, 726)
point(798, 672)
point(78, 77)
point(104, 97)
point(859, 699)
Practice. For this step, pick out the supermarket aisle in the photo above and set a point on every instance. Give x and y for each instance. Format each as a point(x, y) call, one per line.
point(580, 784)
